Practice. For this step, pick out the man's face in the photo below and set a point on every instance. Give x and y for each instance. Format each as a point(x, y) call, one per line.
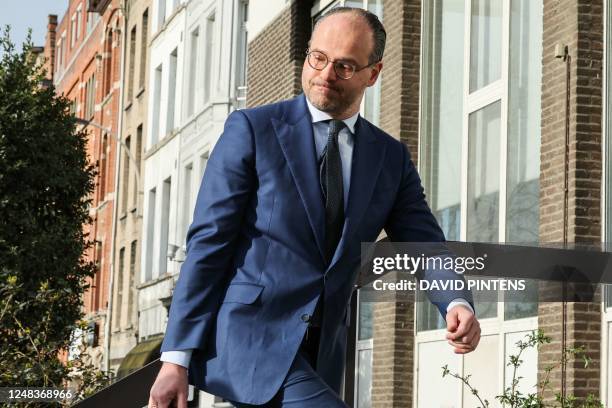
point(342, 37)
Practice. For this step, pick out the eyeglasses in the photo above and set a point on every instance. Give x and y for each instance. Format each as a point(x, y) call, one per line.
point(344, 70)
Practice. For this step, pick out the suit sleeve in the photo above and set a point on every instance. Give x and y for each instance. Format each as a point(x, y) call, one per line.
point(411, 220)
point(227, 185)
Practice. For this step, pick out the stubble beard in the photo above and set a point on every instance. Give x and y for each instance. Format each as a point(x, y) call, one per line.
point(327, 104)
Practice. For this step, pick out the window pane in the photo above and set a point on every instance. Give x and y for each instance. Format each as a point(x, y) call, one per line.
point(372, 94)
point(365, 320)
point(483, 174)
point(483, 185)
point(523, 160)
point(521, 303)
point(485, 43)
point(354, 3)
point(364, 378)
point(442, 112)
point(524, 112)
point(433, 389)
point(483, 367)
point(428, 317)
point(376, 7)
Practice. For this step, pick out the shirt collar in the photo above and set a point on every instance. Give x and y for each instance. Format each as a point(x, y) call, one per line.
point(320, 116)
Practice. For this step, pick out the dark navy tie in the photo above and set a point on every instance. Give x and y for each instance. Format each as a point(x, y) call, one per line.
point(330, 176)
point(330, 173)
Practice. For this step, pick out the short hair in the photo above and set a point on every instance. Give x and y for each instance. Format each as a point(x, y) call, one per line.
point(379, 35)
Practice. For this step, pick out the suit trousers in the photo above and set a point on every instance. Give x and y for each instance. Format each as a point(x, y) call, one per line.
point(303, 387)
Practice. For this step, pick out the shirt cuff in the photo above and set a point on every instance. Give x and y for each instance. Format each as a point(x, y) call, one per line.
point(179, 357)
point(460, 301)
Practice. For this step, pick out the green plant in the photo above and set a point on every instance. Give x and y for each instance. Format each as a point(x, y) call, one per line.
point(513, 398)
point(45, 184)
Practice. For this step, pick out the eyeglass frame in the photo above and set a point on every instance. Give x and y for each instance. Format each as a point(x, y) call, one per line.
point(356, 68)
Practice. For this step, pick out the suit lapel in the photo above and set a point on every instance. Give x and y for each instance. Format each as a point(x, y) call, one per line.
point(295, 136)
point(368, 157)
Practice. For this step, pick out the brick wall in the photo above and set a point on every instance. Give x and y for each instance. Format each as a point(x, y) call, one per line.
point(276, 56)
point(49, 52)
point(577, 24)
point(399, 114)
point(393, 355)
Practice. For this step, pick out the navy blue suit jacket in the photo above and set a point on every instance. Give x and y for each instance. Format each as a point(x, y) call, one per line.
point(255, 251)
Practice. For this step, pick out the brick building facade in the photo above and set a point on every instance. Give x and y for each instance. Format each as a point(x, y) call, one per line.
point(87, 71)
point(127, 241)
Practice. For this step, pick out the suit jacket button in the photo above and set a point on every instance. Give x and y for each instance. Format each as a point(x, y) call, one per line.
point(305, 318)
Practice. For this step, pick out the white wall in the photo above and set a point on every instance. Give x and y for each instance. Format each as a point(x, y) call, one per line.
point(262, 12)
point(161, 163)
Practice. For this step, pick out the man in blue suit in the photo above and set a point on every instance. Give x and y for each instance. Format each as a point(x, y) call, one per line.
point(259, 314)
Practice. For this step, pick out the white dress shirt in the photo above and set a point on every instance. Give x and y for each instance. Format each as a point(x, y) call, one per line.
point(346, 141)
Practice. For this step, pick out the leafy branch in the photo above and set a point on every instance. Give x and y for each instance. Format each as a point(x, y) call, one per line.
point(512, 396)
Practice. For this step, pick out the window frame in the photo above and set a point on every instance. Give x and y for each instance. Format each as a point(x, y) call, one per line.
point(496, 91)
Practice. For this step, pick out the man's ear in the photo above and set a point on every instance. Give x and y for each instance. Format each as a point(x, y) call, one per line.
point(375, 73)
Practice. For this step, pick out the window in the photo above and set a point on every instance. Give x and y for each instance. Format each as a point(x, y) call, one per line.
point(165, 227)
point(156, 105)
point(103, 169)
point(126, 175)
point(161, 13)
point(130, 288)
point(483, 182)
point(137, 157)
point(79, 16)
point(108, 62)
point(152, 198)
point(132, 63)
point(88, 22)
point(187, 207)
point(90, 94)
point(73, 107)
point(144, 39)
point(61, 53)
point(120, 281)
point(203, 162)
point(193, 69)
point(371, 99)
point(73, 31)
point(241, 54)
point(92, 18)
point(483, 173)
point(58, 56)
point(479, 160)
point(172, 88)
point(208, 56)
point(364, 353)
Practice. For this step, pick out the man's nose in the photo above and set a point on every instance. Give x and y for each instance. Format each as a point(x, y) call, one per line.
point(328, 73)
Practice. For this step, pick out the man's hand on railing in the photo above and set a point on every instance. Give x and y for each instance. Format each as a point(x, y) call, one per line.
point(170, 388)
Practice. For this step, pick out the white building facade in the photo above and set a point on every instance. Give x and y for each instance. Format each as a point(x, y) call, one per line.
point(158, 270)
point(197, 77)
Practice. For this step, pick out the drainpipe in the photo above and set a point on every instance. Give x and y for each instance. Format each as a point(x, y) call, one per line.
point(564, 54)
